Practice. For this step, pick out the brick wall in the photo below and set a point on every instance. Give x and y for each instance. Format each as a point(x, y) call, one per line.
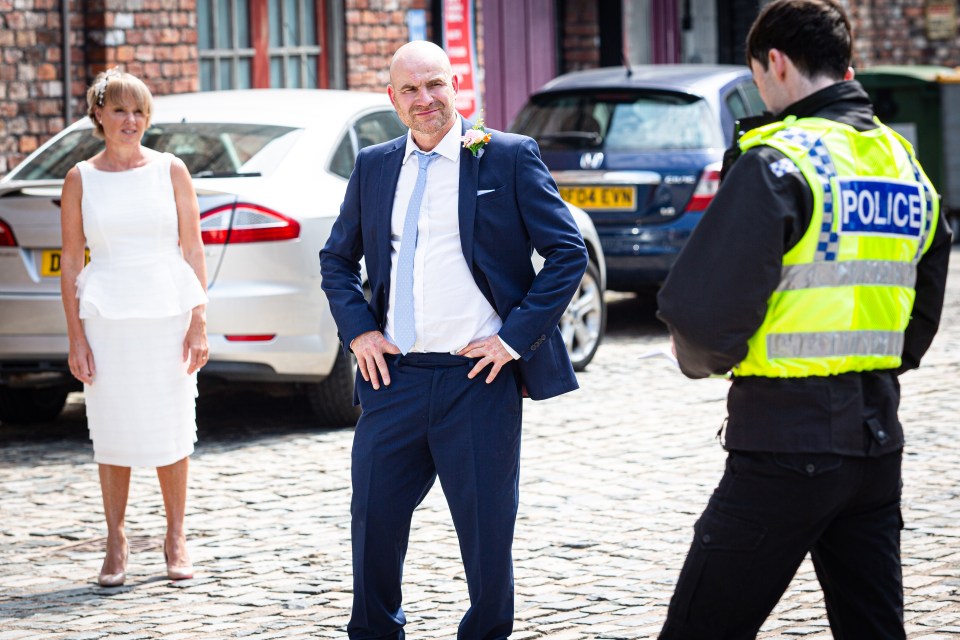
point(31, 89)
point(154, 39)
point(895, 33)
point(374, 30)
point(580, 36)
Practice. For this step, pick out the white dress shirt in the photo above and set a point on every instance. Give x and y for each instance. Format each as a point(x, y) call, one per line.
point(449, 310)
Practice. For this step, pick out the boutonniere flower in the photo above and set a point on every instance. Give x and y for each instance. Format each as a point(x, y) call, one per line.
point(476, 138)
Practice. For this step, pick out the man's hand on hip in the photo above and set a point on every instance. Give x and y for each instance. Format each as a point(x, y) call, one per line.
point(490, 351)
point(369, 348)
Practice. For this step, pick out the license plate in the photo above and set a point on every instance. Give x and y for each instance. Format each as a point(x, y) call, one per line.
point(50, 262)
point(601, 198)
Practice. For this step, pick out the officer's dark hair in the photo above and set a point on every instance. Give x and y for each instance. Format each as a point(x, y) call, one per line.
point(814, 34)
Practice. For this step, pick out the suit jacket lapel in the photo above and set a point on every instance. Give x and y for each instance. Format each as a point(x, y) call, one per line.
point(467, 210)
point(386, 192)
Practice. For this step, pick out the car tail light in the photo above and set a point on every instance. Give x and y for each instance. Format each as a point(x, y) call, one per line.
point(252, 338)
point(246, 223)
point(706, 188)
point(6, 235)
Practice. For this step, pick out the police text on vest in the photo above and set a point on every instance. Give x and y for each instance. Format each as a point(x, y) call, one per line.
point(881, 206)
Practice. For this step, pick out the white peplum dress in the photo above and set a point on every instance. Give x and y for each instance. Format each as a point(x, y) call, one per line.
point(135, 299)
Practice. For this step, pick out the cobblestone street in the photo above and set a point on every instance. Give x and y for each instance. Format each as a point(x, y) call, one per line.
point(613, 477)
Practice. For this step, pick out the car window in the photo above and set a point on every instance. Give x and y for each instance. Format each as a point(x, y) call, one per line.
point(378, 127)
point(223, 149)
point(208, 149)
point(344, 157)
point(372, 128)
point(737, 104)
point(55, 161)
point(620, 121)
point(752, 94)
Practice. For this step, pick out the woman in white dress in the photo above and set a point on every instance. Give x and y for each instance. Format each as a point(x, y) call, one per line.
point(136, 313)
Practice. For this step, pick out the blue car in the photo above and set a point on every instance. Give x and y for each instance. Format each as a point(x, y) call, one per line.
point(639, 150)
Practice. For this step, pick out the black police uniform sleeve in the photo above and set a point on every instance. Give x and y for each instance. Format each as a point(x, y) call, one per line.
point(715, 296)
point(928, 304)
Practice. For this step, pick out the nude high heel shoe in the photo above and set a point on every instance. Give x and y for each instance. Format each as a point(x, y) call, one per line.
point(114, 579)
point(177, 573)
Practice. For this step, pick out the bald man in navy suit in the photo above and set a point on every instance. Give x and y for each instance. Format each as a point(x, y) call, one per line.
point(458, 329)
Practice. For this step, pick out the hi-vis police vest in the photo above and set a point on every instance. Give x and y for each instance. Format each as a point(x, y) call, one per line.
point(847, 288)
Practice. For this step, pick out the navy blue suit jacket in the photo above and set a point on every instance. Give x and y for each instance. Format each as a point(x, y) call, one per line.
point(498, 232)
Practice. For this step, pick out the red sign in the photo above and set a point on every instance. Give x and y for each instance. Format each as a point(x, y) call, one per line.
point(460, 43)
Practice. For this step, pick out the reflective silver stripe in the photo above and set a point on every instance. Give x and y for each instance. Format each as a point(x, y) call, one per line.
point(854, 272)
point(834, 343)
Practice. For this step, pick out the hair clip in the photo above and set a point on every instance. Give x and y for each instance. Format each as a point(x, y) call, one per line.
point(101, 85)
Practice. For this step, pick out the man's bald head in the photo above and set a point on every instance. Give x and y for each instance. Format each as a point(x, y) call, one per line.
point(420, 52)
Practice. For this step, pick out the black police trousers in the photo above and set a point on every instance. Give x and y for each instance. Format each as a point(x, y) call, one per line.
point(768, 511)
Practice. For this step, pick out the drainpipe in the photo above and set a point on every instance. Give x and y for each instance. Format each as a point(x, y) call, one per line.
point(65, 60)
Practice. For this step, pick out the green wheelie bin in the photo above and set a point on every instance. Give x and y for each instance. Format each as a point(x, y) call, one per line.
point(922, 103)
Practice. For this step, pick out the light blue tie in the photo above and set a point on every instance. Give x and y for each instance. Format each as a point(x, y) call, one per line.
point(405, 329)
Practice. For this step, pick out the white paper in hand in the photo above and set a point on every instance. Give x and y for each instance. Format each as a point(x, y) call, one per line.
point(664, 350)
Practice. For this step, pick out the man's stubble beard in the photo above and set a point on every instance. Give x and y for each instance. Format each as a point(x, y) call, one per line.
point(433, 126)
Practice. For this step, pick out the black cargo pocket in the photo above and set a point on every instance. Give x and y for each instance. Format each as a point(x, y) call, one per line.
point(808, 464)
point(715, 536)
point(716, 531)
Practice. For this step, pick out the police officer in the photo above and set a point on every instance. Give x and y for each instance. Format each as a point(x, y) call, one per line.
point(816, 277)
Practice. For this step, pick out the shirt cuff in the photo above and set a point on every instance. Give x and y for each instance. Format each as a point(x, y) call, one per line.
point(513, 354)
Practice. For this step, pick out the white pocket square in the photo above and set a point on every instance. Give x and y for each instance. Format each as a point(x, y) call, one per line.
point(483, 192)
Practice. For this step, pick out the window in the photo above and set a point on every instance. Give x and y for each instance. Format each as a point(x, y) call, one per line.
point(213, 149)
point(293, 47)
point(267, 43)
point(55, 161)
point(223, 37)
point(208, 149)
point(632, 121)
point(372, 128)
point(378, 127)
point(737, 105)
point(753, 97)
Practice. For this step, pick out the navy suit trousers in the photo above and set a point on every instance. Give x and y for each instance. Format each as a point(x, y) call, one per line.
point(768, 511)
point(430, 422)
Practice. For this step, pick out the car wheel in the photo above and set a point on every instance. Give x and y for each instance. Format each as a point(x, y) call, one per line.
point(30, 406)
point(583, 323)
point(332, 399)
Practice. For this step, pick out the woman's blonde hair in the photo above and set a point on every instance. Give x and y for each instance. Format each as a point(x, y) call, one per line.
point(117, 87)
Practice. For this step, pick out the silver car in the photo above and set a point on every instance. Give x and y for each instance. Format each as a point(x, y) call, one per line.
point(270, 168)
